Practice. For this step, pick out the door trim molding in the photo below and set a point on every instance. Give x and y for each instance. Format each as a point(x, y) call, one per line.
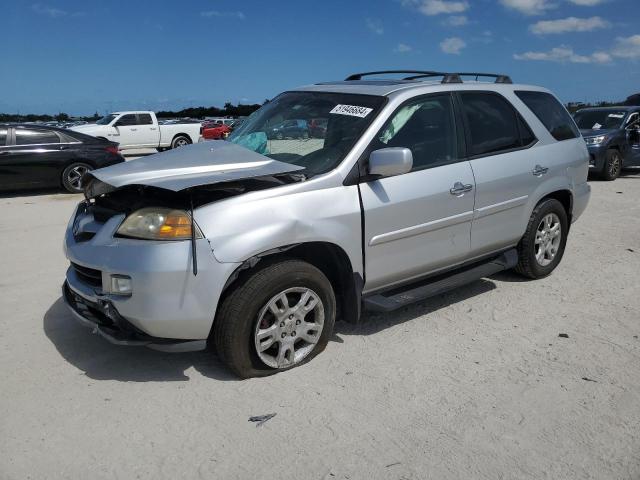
point(499, 207)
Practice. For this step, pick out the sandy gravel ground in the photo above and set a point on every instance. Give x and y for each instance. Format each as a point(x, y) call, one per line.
point(474, 384)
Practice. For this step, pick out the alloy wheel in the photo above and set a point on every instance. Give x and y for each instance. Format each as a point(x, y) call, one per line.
point(289, 327)
point(615, 165)
point(548, 238)
point(74, 177)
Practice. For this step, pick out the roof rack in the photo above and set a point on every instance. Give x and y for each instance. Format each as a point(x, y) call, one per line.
point(446, 77)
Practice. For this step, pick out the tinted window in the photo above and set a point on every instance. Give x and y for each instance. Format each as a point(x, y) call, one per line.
point(526, 134)
point(35, 137)
point(3, 136)
point(427, 128)
point(145, 119)
point(492, 123)
point(551, 113)
point(129, 119)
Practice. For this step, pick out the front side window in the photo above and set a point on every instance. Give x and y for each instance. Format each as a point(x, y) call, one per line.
point(127, 120)
point(3, 137)
point(281, 128)
point(426, 127)
point(26, 136)
point(551, 113)
point(492, 123)
point(107, 119)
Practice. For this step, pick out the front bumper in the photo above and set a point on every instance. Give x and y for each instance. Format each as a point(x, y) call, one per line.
point(597, 156)
point(167, 300)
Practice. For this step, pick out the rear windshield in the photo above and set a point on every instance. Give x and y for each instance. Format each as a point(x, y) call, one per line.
point(551, 113)
point(599, 119)
point(285, 129)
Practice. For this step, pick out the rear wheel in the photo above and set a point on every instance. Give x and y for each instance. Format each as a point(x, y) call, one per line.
point(612, 165)
point(279, 318)
point(72, 176)
point(180, 141)
point(542, 246)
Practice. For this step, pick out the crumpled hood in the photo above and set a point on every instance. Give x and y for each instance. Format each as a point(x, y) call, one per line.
point(191, 166)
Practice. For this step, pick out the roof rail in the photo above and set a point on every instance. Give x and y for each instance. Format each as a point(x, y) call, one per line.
point(358, 76)
point(446, 77)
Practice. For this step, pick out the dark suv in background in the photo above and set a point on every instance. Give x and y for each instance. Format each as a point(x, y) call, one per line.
point(612, 135)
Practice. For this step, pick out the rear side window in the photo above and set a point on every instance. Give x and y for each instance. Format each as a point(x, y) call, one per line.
point(144, 119)
point(493, 125)
point(25, 136)
point(551, 113)
point(3, 137)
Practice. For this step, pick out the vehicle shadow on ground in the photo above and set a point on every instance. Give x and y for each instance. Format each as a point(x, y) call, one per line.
point(372, 323)
point(101, 360)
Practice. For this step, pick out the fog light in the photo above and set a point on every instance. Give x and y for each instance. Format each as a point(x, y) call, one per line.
point(120, 285)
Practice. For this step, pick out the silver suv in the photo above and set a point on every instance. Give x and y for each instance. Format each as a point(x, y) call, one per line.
point(255, 246)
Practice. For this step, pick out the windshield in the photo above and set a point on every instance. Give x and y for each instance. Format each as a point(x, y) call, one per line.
point(600, 119)
point(286, 129)
point(106, 120)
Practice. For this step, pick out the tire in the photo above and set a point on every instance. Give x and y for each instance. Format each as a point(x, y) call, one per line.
point(279, 136)
point(612, 165)
point(532, 256)
point(244, 312)
point(72, 176)
point(305, 135)
point(180, 141)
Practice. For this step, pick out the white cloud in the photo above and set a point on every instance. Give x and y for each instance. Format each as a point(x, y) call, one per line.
point(438, 7)
point(456, 21)
point(52, 12)
point(403, 48)
point(375, 26)
point(627, 47)
point(529, 7)
point(587, 3)
point(564, 54)
point(216, 13)
point(452, 45)
point(570, 24)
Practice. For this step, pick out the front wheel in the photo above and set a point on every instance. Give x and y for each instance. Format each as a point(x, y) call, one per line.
point(542, 246)
point(612, 165)
point(72, 176)
point(279, 318)
point(180, 141)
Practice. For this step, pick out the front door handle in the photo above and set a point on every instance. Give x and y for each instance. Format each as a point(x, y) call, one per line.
point(134, 129)
point(539, 170)
point(460, 188)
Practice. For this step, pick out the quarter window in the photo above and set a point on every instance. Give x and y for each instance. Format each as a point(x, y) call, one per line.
point(26, 136)
point(551, 113)
point(492, 124)
point(426, 127)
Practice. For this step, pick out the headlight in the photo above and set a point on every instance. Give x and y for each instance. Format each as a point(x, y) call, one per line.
point(158, 223)
point(595, 140)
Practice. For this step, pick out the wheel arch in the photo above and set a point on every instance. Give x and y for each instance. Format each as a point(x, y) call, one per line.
point(565, 197)
point(328, 257)
point(185, 135)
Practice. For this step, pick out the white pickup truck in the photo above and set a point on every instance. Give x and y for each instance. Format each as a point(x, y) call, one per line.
point(141, 130)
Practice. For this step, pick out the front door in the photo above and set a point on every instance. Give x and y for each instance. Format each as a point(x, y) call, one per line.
point(632, 131)
point(418, 222)
point(127, 131)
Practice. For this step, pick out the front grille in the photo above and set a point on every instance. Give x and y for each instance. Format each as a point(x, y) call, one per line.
point(88, 275)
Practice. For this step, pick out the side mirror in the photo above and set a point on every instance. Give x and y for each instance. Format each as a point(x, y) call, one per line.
point(388, 162)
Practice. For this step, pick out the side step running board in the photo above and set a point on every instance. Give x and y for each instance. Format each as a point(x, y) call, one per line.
point(397, 298)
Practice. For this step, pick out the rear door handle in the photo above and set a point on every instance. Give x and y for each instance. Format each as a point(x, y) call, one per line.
point(134, 129)
point(460, 188)
point(539, 170)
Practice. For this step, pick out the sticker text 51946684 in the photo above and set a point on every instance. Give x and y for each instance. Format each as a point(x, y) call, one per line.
point(352, 110)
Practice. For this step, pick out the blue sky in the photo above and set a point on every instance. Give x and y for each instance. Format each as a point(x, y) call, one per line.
point(83, 56)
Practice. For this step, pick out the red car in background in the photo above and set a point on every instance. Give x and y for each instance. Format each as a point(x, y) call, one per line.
point(215, 131)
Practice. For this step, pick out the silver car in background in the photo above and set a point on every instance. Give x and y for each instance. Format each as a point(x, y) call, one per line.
point(255, 246)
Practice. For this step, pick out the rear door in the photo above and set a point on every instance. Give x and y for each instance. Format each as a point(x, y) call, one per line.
point(418, 222)
point(498, 142)
point(148, 133)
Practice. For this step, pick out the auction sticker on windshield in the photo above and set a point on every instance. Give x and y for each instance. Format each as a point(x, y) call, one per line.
point(351, 110)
